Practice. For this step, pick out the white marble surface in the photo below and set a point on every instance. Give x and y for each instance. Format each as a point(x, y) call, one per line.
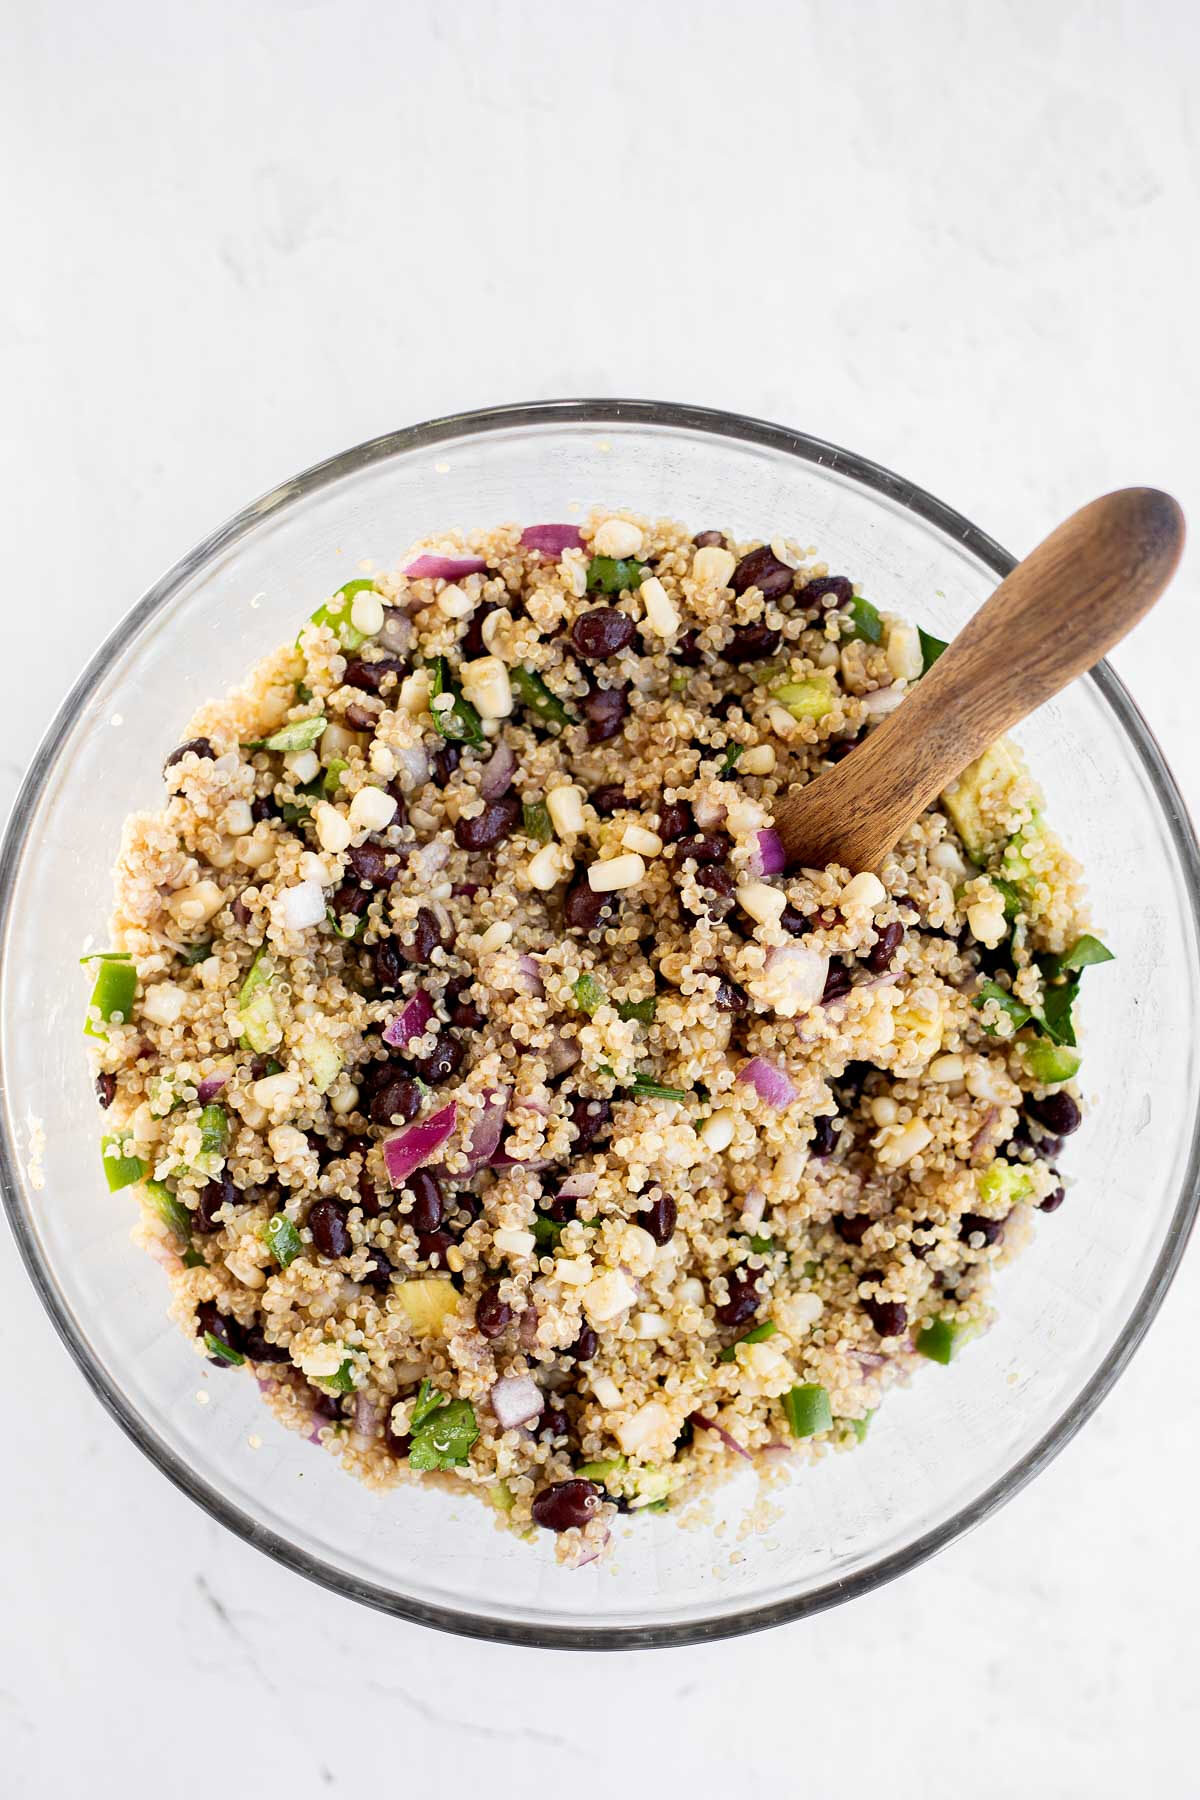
point(959, 237)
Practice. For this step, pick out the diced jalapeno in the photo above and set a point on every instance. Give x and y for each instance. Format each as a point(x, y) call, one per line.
point(120, 1170)
point(533, 693)
point(808, 699)
point(535, 821)
point(301, 734)
point(214, 1130)
point(941, 1339)
point(865, 622)
point(613, 574)
point(282, 1239)
point(112, 995)
point(758, 1335)
point(458, 723)
point(336, 614)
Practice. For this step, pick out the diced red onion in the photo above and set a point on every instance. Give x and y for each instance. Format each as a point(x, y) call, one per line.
point(466, 890)
point(515, 1398)
point(754, 1206)
point(414, 772)
point(768, 1081)
point(410, 1022)
point(529, 976)
point(984, 1134)
point(562, 1053)
point(876, 981)
point(396, 632)
point(589, 1552)
point(210, 1087)
point(551, 540)
point(366, 1415)
point(430, 567)
point(406, 1150)
point(485, 1133)
point(869, 1359)
point(530, 1103)
point(730, 1443)
point(498, 773)
point(578, 1187)
point(767, 857)
point(798, 977)
point(527, 1328)
point(502, 1160)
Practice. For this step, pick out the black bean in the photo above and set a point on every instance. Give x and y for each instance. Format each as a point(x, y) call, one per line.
point(600, 633)
point(371, 862)
point(566, 1504)
point(324, 1406)
point(744, 1298)
point(837, 982)
point(609, 798)
point(262, 808)
point(837, 750)
point(489, 827)
point(889, 1317)
point(731, 998)
point(687, 650)
point(371, 676)
point(793, 921)
point(361, 718)
point(560, 1209)
point(395, 791)
point(493, 1316)
point(990, 1229)
point(704, 847)
point(445, 761)
point(418, 949)
point(442, 1061)
point(674, 821)
point(591, 1119)
point(240, 911)
point(852, 1229)
point(585, 1346)
point(719, 889)
point(751, 643)
point(661, 1218)
point(825, 1136)
point(398, 1098)
point(762, 569)
point(257, 1347)
point(433, 1247)
point(553, 1423)
point(827, 592)
point(920, 1250)
point(349, 901)
point(212, 1196)
point(604, 710)
point(885, 947)
point(106, 1089)
point(703, 540)
point(584, 909)
point(472, 642)
point(1058, 1113)
point(198, 747)
point(462, 1012)
point(428, 1205)
point(387, 964)
point(369, 1197)
point(379, 1270)
point(330, 1233)
point(1053, 1201)
point(219, 1325)
point(853, 1076)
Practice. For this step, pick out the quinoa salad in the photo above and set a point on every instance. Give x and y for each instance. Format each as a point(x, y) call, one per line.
point(490, 1090)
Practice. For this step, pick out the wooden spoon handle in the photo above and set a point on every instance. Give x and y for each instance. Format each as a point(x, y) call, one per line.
point(1056, 615)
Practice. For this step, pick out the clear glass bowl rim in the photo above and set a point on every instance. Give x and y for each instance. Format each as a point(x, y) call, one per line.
point(598, 412)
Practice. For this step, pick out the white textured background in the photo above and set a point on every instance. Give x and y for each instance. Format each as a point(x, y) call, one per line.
point(961, 238)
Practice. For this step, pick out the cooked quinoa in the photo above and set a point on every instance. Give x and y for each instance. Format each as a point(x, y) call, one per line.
point(490, 1092)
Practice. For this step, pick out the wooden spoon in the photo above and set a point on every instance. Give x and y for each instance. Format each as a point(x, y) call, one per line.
point(1056, 615)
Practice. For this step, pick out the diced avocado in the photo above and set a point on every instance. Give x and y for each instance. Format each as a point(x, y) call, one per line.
point(942, 1339)
point(324, 1060)
point(808, 699)
point(1004, 1182)
point(261, 1030)
point(964, 801)
point(1049, 1063)
point(602, 1470)
point(428, 1302)
point(653, 1487)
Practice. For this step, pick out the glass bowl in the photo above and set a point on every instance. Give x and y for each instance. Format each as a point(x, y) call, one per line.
point(942, 1453)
